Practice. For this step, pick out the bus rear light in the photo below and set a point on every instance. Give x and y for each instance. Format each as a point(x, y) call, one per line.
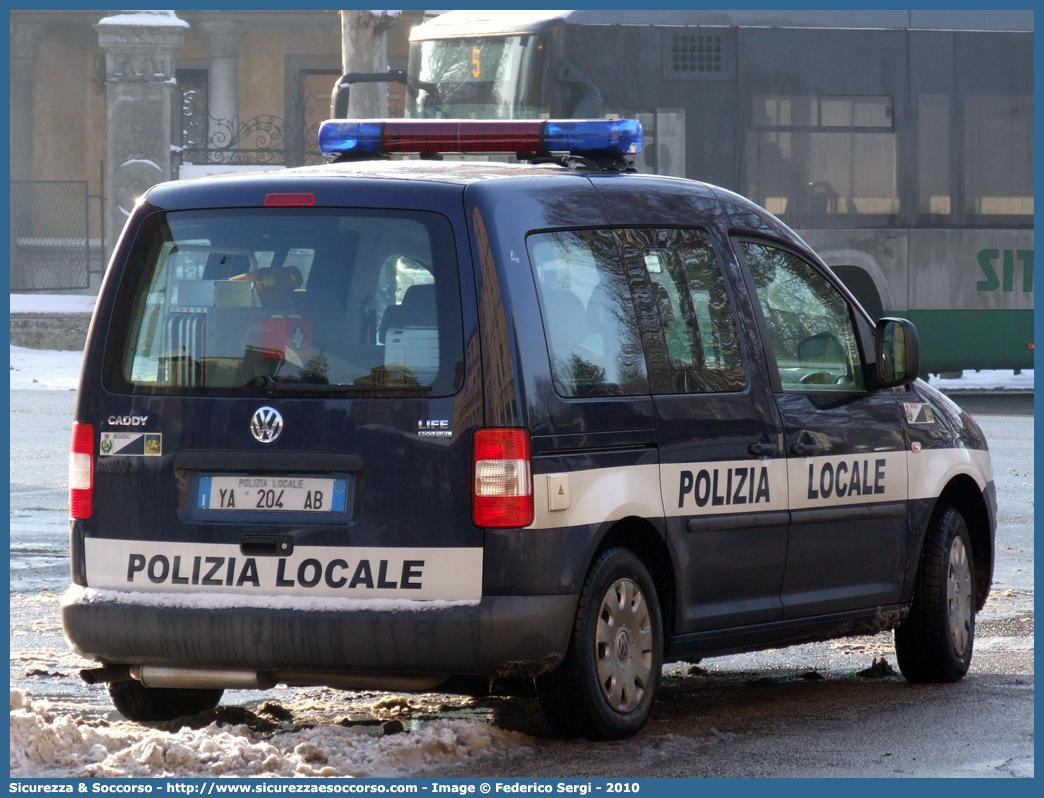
point(81, 471)
point(502, 479)
point(611, 136)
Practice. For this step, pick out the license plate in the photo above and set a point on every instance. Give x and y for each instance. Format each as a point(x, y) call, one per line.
point(272, 494)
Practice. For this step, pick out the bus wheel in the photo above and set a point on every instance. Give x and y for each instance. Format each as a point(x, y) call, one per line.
point(934, 643)
point(606, 687)
point(137, 702)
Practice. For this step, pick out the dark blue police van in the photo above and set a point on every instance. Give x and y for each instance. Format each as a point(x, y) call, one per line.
point(439, 425)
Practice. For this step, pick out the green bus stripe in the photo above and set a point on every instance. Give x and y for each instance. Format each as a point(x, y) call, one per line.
point(952, 340)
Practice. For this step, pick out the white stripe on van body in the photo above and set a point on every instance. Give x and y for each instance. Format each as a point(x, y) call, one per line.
point(448, 574)
point(737, 487)
point(930, 469)
point(724, 486)
point(847, 479)
point(598, 495)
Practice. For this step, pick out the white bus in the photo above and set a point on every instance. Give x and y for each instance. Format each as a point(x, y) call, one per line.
point(899, 144)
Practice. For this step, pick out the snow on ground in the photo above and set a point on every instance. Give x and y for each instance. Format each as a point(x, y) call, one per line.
point(987, 381)
point(43, 744)
point(44, 369)
point(52, 303)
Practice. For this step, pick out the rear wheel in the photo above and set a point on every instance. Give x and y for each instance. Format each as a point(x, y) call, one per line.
point(137, 702)
point(934, 643)
point(606, 687)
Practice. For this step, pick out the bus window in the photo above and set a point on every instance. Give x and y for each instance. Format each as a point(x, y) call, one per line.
point(993, 81)
point(477, 78)
point(816, 156)
point(998, 154)
point(933, 154)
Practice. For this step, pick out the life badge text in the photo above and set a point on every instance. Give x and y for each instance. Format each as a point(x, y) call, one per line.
point(434, 428)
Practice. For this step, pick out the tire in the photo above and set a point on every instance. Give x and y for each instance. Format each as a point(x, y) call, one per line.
point(144, 704)
point(605, 688)
point(934, 643)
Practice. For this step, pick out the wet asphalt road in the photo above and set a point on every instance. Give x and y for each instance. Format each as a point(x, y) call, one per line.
point(803, 711)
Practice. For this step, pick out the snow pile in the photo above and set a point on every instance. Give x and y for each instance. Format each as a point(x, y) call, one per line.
point(52, 303)
point(76, 594)
point(45, 745)
point(44, 369)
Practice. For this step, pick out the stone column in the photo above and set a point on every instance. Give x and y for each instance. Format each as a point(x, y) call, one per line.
point(223, 80)
point(24, 37)
point(139, 96)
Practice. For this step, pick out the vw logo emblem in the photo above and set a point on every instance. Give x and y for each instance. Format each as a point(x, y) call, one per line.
point(266, 425)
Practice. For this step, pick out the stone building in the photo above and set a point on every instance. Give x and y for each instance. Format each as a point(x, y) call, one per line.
point(105, 104)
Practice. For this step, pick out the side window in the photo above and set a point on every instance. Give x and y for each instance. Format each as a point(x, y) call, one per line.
point(809, 322)
point(691, 310)
point(589, 319)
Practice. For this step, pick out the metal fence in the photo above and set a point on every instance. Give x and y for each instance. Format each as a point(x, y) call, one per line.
point(50, 235)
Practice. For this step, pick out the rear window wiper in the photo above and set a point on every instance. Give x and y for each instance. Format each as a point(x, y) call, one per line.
point(271, 385)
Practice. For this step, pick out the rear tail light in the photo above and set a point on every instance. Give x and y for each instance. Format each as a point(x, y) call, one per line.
point(503, 479)
point(81, 471)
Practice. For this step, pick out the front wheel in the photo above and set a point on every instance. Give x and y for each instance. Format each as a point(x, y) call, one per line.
point(934, 643)
point(606, 687)
point(144, 704)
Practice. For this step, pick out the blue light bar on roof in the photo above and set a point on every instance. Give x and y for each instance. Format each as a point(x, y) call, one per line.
point(338, 137)
point(614, 136)
point(576, 136)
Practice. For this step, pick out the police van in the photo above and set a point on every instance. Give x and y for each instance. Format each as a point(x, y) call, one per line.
point(438, 424)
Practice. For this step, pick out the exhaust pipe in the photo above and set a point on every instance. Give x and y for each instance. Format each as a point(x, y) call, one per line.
point(196, 678)
point(106, 674)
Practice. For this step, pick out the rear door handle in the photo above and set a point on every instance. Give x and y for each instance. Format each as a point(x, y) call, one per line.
point(805, 449)
point(762, 449)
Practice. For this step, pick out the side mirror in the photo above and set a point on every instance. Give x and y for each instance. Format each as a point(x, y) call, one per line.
point(343, 85)
point(898, 355)
point(339, 99)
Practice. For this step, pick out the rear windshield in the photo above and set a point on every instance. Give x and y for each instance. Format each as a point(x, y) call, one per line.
point(358, 301)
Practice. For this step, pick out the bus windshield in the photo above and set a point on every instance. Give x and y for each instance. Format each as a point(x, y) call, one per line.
point(477, 78)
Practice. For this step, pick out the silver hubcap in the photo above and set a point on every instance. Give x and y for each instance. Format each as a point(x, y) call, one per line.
point(958, 596)
point(623, 646)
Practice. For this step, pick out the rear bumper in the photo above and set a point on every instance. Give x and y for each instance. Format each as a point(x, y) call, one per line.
point(497, 636)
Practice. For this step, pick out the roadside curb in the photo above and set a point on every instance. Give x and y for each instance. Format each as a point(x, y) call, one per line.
point(60, 331)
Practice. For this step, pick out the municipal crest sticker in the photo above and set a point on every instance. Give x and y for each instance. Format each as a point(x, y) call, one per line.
point(917, 413)
point(131, 444)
